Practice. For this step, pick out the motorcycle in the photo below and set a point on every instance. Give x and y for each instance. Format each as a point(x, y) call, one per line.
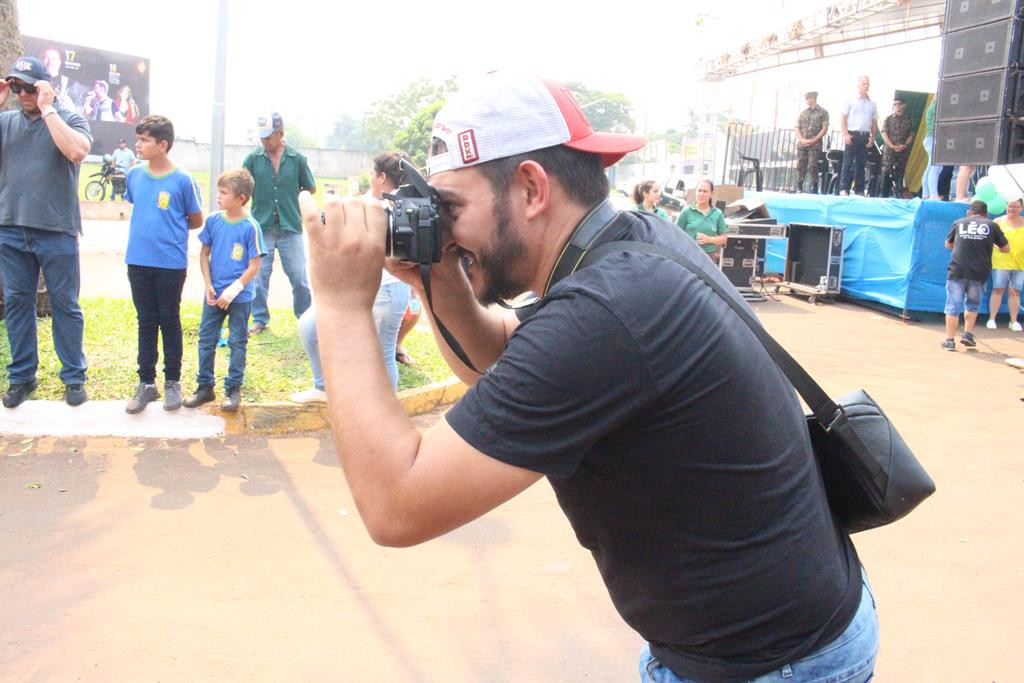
point(108, 176)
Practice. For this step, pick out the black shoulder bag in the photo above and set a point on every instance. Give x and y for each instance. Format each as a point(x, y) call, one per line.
point(871, 476)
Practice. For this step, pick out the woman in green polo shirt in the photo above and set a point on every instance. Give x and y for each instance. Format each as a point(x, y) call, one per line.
point(647, 194)
point(703, 222)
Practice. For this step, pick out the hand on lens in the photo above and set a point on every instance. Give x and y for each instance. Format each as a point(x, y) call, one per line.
point(346, 248)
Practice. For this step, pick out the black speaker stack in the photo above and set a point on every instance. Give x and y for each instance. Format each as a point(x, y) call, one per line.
point(979, 110)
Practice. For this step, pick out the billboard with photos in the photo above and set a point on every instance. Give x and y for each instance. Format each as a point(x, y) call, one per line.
point(109, 89)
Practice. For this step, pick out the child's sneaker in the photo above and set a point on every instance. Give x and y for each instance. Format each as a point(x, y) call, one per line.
point(202, 395)
point(144, 393)
point(967, 339)
point(172, 395)
point(949, 345)
point(232, 400)
point(991, 324)
point(1015, 326)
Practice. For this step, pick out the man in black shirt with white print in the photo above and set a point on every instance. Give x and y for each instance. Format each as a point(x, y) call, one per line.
point(971, 238)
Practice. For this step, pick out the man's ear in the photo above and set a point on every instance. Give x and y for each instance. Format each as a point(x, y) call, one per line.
point(537, 185)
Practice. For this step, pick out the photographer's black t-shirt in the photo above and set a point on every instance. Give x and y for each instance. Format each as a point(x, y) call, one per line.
point(972, 238)
point(679, 453)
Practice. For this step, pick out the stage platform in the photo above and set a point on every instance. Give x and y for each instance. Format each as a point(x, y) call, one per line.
point(894, 249)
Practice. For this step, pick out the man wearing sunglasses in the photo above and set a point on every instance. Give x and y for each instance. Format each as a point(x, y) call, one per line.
point(41, 147)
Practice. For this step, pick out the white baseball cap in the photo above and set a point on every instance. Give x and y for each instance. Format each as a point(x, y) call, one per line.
point(503, 114)
point(268, 124)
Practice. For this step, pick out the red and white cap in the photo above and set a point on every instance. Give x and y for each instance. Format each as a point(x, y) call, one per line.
point(503, 114)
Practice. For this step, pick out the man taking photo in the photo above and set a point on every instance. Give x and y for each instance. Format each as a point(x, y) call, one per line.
point(716, 545)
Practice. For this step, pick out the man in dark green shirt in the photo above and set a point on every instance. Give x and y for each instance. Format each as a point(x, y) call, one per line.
point(280, 173)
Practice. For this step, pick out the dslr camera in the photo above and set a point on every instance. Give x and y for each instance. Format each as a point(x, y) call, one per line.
point(414, 222)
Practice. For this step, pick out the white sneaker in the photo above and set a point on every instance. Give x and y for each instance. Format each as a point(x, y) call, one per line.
point(313, 395)
point(991, 324)
point(844, 193)
point(1015, 326)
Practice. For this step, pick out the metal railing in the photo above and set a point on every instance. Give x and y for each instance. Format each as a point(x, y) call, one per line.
point(765, 158)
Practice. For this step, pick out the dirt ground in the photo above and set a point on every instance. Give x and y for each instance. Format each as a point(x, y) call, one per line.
point(243, 558)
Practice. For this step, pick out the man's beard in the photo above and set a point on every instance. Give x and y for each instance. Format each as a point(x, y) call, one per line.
point(496, 264)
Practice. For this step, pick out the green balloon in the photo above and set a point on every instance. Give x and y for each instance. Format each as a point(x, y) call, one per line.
point(997, 205)
point(985, 189)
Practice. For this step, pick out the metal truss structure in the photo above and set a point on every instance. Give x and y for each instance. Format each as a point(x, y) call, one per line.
point(837, 29)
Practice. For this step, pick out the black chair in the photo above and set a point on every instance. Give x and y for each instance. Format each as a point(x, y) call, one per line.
point(755, 168)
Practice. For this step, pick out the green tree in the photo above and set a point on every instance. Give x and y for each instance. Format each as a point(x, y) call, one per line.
point(390, 116)
point(414, 139)
point(610, 112)
point(296, 138)
point(347, 133)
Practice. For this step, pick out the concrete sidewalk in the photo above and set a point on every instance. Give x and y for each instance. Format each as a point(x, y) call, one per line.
point(107, 418)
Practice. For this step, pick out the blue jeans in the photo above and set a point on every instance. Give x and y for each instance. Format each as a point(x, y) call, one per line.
point(855, 155)
point(962, 295)
point(388, 309)
point(23, 252)
point(850, 658)
point(237, 314)
point(293, 260)
point(930, 181)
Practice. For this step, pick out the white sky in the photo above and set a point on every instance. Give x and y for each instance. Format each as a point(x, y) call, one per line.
point(314, 60)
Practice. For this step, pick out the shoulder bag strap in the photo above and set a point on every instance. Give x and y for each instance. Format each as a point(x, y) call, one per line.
point(821, 405)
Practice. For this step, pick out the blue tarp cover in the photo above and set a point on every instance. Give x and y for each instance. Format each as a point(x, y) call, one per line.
point(893, 249)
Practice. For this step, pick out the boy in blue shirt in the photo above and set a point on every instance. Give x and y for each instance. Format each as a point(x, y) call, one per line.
point(230, 259)
point(167, 204)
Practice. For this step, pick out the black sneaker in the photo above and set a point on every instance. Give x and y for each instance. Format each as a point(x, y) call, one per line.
point(232, 400)
point(949, 345)
point(202, 395)
point(74, 394)
point(172, 395)
point(17, 393)
point(967, 339)
point(144, 393)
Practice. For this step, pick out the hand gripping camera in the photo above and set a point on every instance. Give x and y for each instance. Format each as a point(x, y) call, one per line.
point(414, 223)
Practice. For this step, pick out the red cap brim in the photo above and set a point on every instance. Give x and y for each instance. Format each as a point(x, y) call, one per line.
point(611, 146)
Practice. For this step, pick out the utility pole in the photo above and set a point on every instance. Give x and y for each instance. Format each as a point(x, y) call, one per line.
point(217, 128)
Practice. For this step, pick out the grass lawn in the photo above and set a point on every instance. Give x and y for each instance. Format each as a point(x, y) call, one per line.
point(276, 365)
point(203, 178)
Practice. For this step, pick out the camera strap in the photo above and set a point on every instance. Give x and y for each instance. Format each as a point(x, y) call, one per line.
point(587, 234)
point(448, 337)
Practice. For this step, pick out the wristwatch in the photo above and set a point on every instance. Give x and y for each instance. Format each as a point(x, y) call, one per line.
point(47, 111)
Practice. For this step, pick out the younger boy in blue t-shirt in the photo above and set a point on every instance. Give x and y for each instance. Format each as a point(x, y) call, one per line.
point(167, 204)
point(230, 259)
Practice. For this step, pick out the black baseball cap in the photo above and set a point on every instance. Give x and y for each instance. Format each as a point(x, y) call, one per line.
point(29, 70)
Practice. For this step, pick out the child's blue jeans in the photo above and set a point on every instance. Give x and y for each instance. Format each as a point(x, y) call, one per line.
point(237, 314)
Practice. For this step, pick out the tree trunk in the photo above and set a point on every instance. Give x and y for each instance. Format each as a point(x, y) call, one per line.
point(10, 41)
point(10, 50)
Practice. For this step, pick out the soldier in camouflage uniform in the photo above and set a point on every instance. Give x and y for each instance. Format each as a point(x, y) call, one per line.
point(898, 136)
point(811, 127)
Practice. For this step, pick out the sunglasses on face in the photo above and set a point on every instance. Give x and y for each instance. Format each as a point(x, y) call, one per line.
point(17, 88)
